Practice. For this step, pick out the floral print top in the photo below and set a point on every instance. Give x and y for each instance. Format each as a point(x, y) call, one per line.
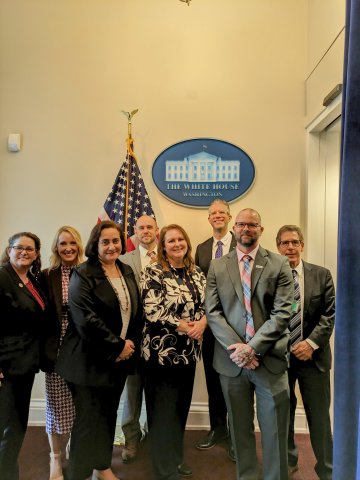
point(167, 299)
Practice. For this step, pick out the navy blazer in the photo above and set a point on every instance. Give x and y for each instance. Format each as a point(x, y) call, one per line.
point(92, 341)
point(23, 325)
point(203, 254)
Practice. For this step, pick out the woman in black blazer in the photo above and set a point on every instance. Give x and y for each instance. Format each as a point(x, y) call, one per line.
point(23, 330)
point(67, 251)
point(99, 347)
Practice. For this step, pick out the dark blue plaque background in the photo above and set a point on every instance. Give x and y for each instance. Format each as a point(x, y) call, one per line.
point(198, 197)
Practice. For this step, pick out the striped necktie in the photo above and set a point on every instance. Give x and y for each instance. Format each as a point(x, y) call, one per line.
point(219, 250)
point(246, 284)
point(295, 322)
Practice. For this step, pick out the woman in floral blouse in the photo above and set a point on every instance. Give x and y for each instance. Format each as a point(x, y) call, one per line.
point(173, 291)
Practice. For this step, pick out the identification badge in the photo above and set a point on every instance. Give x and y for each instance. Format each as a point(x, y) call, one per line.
point(295, 307)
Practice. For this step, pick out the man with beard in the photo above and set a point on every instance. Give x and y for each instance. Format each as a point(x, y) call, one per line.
point(146, 231)
point(248, 300)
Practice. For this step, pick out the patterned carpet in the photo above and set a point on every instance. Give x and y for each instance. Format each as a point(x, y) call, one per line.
point(213, 464)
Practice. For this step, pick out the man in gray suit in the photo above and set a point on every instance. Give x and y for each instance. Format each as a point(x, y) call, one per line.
point(146, 231)
point(310, 357)
point(248, 306)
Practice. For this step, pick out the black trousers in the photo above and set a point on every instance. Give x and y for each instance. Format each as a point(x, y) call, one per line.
point(168, 392)
point(15, 394)
point(217, 405)
point(315, 392)
point(93, 432)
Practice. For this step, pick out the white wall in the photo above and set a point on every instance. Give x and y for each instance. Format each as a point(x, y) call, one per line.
point(232, 70)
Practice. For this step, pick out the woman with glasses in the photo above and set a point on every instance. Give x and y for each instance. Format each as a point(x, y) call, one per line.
point(23, 328)
point(67, 251)
point(173, 292)
point(99, 349)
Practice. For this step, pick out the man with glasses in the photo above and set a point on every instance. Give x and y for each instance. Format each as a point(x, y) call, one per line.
point(248, 302)
point(311, 327)
point(221, 242)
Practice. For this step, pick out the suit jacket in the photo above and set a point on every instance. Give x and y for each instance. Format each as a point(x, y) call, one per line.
point(23, 325)
point(271, 300)
point(133, 259)
point(92, 341)
point(319, 312)
point(203, 254)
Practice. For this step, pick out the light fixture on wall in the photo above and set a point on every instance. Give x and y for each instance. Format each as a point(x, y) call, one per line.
point(186, 1)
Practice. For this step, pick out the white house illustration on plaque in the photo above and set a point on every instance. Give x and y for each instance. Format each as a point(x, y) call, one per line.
point(202, 167)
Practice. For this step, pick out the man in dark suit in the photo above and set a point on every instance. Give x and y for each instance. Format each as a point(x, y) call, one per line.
point(146, 231)
point(248, 302)
point(219, 218)
point(310, 357)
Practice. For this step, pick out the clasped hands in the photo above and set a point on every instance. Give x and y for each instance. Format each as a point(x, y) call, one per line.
point(302, 350)
point(127, 351)
point(244, 356)
point(193, 329)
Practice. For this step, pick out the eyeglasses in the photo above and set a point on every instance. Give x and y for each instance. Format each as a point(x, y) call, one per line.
point(250, 226)
point(20, 248)
point(286, 243)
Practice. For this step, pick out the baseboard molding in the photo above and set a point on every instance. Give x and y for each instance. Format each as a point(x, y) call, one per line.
point(198, 416)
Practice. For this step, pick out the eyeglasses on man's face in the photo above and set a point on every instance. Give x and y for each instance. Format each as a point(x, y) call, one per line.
point(20, 248)
point(288, 243)
point(250, 226)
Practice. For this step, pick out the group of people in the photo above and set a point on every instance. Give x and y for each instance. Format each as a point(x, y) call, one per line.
point(144, 318)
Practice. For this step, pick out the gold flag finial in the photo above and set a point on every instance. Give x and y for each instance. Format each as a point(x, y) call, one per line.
point(129, 116)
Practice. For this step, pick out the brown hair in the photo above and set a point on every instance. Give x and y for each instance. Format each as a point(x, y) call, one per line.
point(55, 260)
point(35, 268)
point(161, 255)
point(91, 249)
point(289, 228)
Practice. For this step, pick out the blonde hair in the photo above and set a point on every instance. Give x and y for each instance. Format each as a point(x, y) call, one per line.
point(55, 259)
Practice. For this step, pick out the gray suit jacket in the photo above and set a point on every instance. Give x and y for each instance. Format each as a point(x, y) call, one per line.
point(133, 259)
point(272, 296)
point(319, 312)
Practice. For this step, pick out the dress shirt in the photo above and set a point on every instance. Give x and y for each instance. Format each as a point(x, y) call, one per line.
point(240, 256)
point(226, 241)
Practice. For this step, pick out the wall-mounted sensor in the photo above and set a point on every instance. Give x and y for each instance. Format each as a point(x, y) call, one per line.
point(14, 142)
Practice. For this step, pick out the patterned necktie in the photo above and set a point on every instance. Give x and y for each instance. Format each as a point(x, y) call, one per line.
point(219, 250)
point(295, 322)
point(246, 284)
point(151, 254)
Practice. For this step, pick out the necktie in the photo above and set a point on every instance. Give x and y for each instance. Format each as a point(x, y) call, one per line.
point(219, 250)
point(295, 322)
point(246, 284)
point(151, 254)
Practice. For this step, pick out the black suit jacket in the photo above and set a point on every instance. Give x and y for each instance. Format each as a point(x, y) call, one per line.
point(203, 253)
point(319, 312)
point(92, 341)
point(23, 325)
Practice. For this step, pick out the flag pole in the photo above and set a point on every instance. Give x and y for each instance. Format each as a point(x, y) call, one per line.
point(129, 141)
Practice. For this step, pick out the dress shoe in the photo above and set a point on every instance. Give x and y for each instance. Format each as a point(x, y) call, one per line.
point(184, 470)
point(231, 452)
point(292, 469)
point(129, 452)
point(211, 439)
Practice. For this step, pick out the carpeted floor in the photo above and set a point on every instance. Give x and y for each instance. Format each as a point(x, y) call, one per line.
point(213, 464)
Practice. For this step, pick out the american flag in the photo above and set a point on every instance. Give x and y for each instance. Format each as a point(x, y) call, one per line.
point(128, 199)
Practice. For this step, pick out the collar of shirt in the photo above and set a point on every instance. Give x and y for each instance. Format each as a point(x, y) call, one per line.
point(226, 241)
point(252, 254)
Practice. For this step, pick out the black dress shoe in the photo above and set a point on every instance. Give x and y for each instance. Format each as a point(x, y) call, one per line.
point(184, 470)
point(231, 452)
point(212, 438)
